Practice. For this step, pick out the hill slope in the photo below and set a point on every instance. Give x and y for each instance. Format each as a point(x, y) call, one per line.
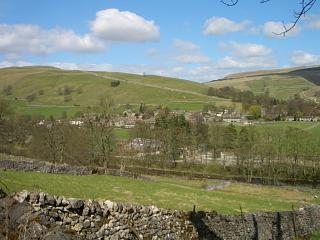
point(311, 74)
point(60, 90)
point(282, 84)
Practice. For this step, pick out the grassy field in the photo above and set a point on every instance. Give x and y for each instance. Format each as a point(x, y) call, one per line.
point(315, 236)
point(311, 127)
point(87, 87)
point(279, 86)
point(121, 133)
point(175, 193)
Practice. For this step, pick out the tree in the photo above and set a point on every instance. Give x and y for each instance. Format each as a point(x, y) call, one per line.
point(306, 6)
point(255, 111)
point(216, 135)
point(115, 83)
point(101, 131)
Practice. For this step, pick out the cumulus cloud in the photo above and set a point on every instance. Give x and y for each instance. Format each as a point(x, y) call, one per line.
point(193, 58)
point(246, 56)
point(20, 39)
point(274, 30)
point(123, 26)
point(249, 49)
point(300, 58)
point(221, 25)
point(185, 46)
point(189, 52)
point(249, 63)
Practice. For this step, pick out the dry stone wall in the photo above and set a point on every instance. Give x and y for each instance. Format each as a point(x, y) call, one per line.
point(42, 216)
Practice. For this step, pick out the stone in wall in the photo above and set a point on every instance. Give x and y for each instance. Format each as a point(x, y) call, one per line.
point(42, 216)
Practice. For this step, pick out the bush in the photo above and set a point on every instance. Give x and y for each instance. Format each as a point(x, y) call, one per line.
point(67, 98)
point(115, 83)
point(79, 90)
point(31, 97)
point(66, 90)
point(7, 90)
point(41, 92)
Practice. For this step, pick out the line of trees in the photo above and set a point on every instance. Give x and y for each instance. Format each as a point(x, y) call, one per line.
point(274, 108)
point(256, 151)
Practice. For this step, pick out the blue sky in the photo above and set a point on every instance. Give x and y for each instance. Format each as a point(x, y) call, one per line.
point(197, 40)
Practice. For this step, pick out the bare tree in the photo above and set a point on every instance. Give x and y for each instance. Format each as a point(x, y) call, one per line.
point(306, 6)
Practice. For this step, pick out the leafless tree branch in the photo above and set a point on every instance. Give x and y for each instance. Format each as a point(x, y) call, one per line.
point(306, 6)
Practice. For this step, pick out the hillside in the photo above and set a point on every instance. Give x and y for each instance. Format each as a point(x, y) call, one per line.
point(311, 74)
point(52, 91)
point(283, 83)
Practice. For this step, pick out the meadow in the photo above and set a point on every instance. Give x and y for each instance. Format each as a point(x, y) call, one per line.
point(164, 192)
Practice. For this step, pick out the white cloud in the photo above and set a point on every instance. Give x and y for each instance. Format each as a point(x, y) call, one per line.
point(246, 56)
point(249, 49)
point(300, 58)
point(189, 52)
point(185, 46)
point(20, 39)
point(274, 30)
point(204, 73)
point(123, 26)
point(246, 64)
point(221, 25)
point(193, 58)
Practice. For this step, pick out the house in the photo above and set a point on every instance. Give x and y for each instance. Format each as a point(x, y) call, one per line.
point(76, 122)
point(308, 119)
point(290, 118)
point(232, 119)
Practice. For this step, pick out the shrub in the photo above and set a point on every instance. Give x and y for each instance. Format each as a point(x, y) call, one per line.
point(79, 90)
point(7, 90)
point(68, 98)
point(115, 83)
point(31, 97)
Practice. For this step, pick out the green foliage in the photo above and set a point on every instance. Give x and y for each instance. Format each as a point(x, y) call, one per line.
point(115, 83)
point(255, 111)
point(315, 236)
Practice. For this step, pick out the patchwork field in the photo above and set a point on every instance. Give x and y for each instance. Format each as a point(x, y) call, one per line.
point(164, 192)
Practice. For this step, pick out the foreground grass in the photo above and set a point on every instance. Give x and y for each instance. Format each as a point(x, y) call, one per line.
point(163, 192)
point(315, 236)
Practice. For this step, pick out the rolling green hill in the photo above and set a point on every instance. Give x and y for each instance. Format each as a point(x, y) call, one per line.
point(281, 84)
point(46, 88)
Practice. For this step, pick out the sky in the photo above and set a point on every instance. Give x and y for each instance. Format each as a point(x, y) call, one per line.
point(196, 40)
